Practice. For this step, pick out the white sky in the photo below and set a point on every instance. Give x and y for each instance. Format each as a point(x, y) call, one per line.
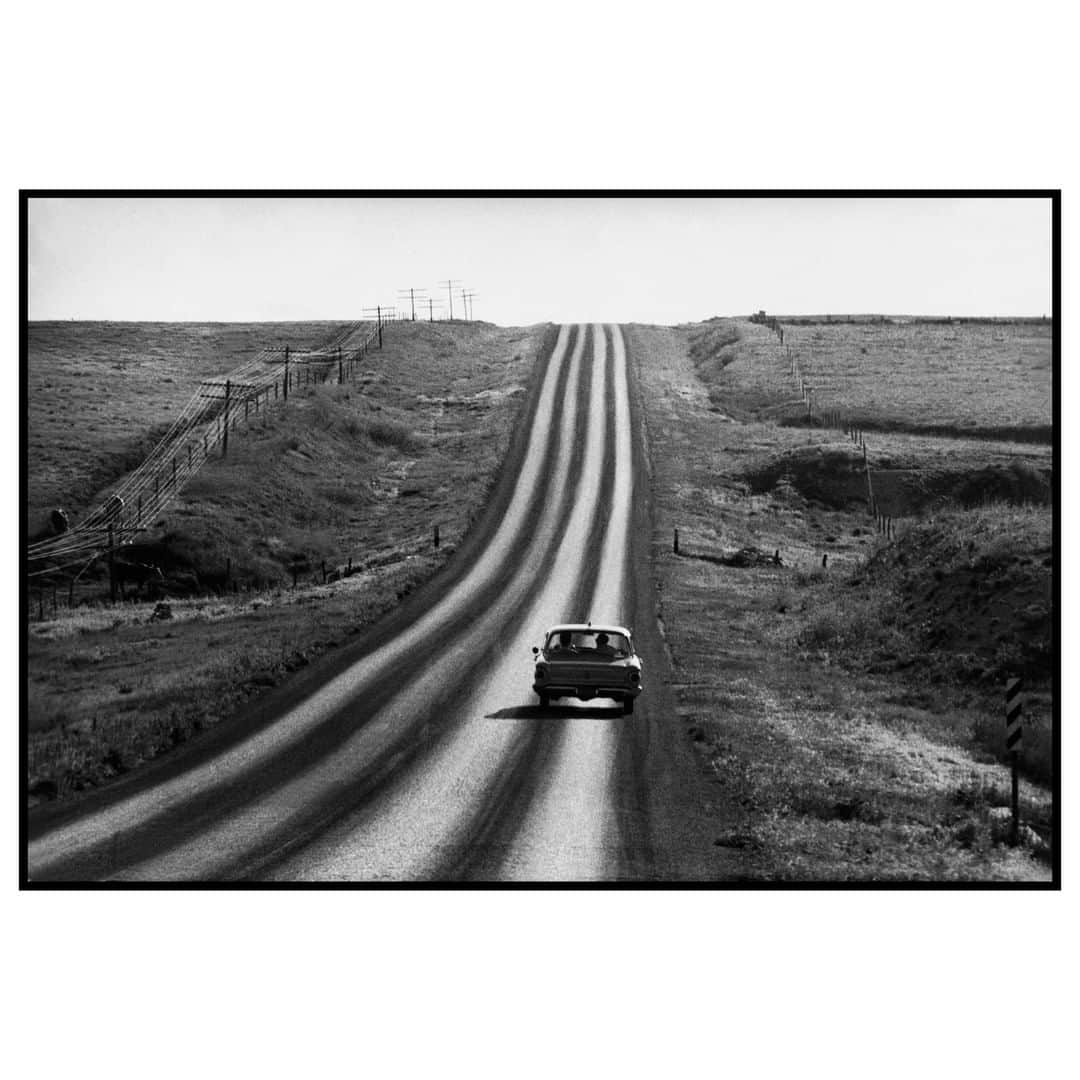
point(664, 260)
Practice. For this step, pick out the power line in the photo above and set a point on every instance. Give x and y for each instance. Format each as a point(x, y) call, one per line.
point(412, 294)
point(449, 292)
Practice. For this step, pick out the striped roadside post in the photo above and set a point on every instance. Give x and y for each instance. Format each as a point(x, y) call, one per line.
point(1013, 743)
point(1013, 708)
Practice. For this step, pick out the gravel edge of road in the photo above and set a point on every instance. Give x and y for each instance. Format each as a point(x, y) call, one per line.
point(668, 777)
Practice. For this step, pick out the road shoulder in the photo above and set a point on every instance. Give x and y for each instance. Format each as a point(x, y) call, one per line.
point(813, 774)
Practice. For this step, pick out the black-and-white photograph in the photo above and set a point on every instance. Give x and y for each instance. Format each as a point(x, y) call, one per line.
point(542, 540)
point(621, 539)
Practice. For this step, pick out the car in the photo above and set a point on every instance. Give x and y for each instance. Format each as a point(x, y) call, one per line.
point(584, 661)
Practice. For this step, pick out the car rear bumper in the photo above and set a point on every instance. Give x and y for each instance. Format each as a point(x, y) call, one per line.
point(585, 693)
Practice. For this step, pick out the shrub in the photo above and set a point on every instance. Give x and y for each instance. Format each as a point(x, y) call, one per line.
point(391, 433)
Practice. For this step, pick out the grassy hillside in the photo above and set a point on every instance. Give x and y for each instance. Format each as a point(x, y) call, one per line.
point(960, 603)
point(972, 378)
point(844, 690)
point(358, 473)
point(99, 394)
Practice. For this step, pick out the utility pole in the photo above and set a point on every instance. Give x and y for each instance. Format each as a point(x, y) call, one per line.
point(468, 298)
point(450, 293)
point(378, 310)
point(411, 294)
point(112, 568)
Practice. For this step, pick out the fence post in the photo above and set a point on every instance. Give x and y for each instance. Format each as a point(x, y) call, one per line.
point(286, 382)
point(324, 571)
point(112, 569)
point(436, 535)
point(1014, 735)
point(675, 546)
point(225, 437)
point(340, 375)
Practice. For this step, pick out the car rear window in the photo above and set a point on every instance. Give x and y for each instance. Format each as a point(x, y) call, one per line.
point(584, 643)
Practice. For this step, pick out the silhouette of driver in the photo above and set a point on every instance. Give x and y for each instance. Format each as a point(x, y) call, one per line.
point(603, 647)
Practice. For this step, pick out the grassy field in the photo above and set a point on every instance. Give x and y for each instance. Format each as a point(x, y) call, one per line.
point(99, 393)
point(846, 700)
point(970, 379)
point(351, 477)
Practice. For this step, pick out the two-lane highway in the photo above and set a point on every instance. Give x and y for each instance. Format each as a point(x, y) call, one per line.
point(427, 757)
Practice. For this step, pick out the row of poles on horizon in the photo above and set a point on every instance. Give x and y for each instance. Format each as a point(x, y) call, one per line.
point(436, 308)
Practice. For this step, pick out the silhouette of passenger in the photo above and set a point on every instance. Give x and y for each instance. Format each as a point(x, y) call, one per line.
point(603, 646)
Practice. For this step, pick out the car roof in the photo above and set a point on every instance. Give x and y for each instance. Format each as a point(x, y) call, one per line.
point(589, 628)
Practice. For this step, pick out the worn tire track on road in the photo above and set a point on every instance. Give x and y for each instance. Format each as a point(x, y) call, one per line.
point(422, 755)
point(86, 844)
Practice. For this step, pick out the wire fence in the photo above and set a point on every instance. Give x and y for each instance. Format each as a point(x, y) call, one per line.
point(198, 432)
point(821, 414)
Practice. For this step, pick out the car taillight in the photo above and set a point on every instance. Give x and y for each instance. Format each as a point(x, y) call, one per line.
point(635, 675)
point(541, 671)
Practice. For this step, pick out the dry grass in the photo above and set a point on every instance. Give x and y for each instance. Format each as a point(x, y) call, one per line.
point(98, 394)
point(975, 379)
point(832, 759)
point(110, 688)
point(355, 474)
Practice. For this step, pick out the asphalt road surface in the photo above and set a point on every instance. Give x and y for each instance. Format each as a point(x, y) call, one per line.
point(421, 753)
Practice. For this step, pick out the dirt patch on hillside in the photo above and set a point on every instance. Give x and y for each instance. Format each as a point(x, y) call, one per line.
point(834, 473)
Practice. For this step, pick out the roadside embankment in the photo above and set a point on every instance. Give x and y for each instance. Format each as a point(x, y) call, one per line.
point(352, 477)
point(833, 760)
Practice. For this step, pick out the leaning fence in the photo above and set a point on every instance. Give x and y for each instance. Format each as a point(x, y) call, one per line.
point(199, 432)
